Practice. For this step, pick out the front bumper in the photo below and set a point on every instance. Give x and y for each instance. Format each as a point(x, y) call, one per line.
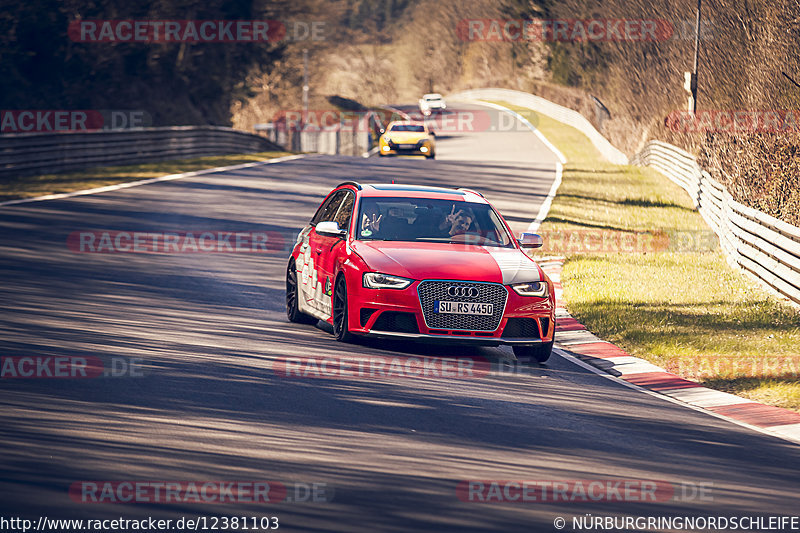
point(405, 149)
point(452, 339)
point(398, 314)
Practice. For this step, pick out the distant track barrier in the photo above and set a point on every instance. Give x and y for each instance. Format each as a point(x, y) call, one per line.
point(560, 113)
point(44, 153)
point(761, 244)
point(353, 138)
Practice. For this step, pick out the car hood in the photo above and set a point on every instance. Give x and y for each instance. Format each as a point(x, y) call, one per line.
point(405, 137)
point(422, 260)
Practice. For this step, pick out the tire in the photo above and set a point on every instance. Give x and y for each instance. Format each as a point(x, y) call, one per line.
point(539, 352)
point(432, 156)
point(340, 313)
point(292, 293)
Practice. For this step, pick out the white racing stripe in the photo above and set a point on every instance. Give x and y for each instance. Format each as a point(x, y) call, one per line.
point(515, 266)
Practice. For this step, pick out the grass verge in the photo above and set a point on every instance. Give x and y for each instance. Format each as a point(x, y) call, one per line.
point(30, 186)
point(643, 271)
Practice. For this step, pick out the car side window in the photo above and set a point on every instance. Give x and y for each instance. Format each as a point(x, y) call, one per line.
point(345, 211)
point(327, 211)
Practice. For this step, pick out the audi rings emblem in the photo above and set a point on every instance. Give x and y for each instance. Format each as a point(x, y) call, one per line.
point(462, 292)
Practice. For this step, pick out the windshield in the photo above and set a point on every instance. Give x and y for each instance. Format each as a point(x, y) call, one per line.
point(428, 220)
point(407, 127)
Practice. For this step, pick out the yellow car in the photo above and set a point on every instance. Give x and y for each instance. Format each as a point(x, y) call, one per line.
point(407, 137)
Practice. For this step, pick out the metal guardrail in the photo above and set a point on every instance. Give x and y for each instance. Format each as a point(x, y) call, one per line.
point(563, 114)
point(332, 141)
point(356, 138)
point(38, 153)
point(759, 243)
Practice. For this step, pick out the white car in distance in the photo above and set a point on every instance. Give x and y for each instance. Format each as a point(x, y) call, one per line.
point(431, 102)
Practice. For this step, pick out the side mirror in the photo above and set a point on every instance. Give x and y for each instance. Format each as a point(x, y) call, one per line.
point(433, 133)
point(530, 240)
point(330, 229)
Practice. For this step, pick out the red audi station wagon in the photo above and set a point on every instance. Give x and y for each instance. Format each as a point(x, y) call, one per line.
point(420, 263)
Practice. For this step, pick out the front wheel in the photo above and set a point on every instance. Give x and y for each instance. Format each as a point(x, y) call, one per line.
point(340, 314)
point(539, 352)
point(292, 294)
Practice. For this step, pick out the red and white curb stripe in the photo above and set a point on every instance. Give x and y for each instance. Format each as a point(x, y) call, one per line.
point(575, 341)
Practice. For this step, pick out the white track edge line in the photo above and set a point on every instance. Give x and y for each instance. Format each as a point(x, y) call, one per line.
point(525, 121)
point(168, 177)
point(599, 372)
point(372, 151)
point(548, 202)
point(545, 207)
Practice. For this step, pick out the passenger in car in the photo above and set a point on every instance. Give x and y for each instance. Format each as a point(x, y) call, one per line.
point(457, 222)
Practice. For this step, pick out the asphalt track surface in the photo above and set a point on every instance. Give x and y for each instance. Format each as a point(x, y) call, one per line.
point(390, 451)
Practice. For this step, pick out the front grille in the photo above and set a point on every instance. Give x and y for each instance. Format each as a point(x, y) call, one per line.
point(521, 327)
point(396, 321)
point(404, 146)
point(493, 293)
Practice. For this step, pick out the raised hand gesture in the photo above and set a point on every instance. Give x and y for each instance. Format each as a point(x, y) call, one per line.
point(371, 224)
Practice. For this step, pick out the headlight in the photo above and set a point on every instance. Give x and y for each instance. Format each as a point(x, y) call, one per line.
point(375, 280)
point(533, 288)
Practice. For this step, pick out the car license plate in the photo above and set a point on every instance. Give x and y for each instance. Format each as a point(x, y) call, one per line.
point(407, 146)
point(462, 308)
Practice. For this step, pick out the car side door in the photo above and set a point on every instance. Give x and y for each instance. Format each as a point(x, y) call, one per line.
point(311, 278)
point(332, 249)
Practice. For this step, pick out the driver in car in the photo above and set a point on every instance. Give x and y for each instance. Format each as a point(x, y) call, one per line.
point(393, 226)
point(370, 224)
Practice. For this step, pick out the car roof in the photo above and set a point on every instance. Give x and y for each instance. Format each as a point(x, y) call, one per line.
point(432, 95)
point(420, 191)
